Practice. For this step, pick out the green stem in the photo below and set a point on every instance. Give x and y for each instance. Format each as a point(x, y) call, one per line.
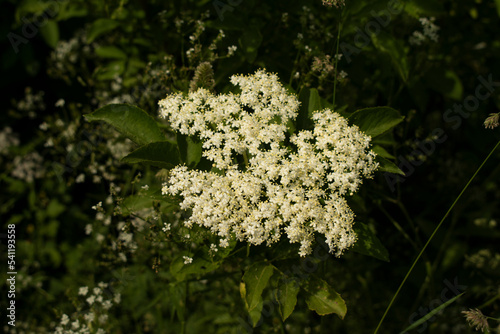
point(336, 61)
point(431, 237)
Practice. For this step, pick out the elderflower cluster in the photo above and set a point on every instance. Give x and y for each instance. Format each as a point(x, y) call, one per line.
point(273, 189)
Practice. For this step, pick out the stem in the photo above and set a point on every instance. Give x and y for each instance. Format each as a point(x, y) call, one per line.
point(336, 61)
point(432, 236)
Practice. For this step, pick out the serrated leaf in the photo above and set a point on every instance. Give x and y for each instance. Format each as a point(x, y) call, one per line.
point(388, 166)
point(159, 154)
point(100, 27)
point(431, 314)
point(375, 121)
point(132, 122)
point(368, 243)
point(287, 296)
point(256, 279)
point(322, 298)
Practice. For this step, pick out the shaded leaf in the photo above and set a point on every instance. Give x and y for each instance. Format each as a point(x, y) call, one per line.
point(322, 298)
point(250, 42)
point(287, 296)
point(256, 279)
point(368, 243)
point(394, 49)
point(377, 120)
point(159, 154)
point(388, 166)
point(382, 152)
point(100, 27)
point(50, 33)
point(132, 122)
point(110, 51)
point(314, 101)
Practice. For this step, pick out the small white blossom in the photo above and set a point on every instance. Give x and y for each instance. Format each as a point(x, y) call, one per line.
point(83, 290)
point(187, 259)
point(64, 319)
point(231, 50)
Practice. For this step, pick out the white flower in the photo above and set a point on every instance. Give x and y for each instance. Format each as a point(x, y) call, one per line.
point(83, 290)
point(187, 259)
point(166, 227)
point(231, 50)
point(64, 319)
point(91, 300)
point(88, 229)
point(60, 103)
point(298, 191)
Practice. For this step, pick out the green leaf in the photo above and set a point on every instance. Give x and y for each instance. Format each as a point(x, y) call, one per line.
point(190, 150)
point(322, 298)
point(110, 71)
point(132, 122)
point(394, 49)
point(304, 121)
point(431, 314)
point(497, 2)
point(162, 154)
point(50, 33)
point(255, 280)
point(445, 82)
point(377, 120)
point(314, 101)
point(198, 267)
point(250, 42)
point(100, 27)
point(110, 51)
point(287, 296)
point(368, 243)
point(388, 166)
point(420, 8)
point(381, 152)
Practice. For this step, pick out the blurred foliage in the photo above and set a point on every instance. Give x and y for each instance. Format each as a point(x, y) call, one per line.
point(65, 59)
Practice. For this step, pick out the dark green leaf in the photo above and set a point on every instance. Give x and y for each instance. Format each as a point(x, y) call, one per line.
point(314, 101)
point(50, 33)
point(100, 27)
point(159, 154)
point(381, 152)
point(287, 296)
point(394, 49)
point(322, 298)
point(110, 71)
point(190, 150)
point(375, 121)
point(368, 243)
point(250, 42)
point(255, 280)
point(110, 51)
point(132, 122)
point(388, 166)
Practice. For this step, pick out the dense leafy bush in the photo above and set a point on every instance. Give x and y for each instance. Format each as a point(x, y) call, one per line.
point(247, 166)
